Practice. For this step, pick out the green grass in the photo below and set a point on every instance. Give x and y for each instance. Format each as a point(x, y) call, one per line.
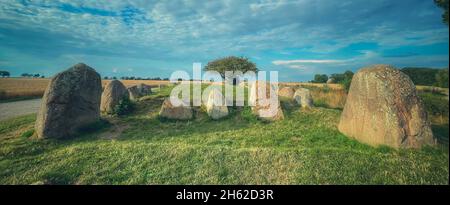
point(305, 148)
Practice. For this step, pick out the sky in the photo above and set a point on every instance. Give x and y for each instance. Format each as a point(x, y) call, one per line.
point(145, 38)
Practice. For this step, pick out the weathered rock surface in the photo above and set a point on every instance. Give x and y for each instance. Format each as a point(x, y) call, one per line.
point(330, 81)
point(139, 91)
point(215, 107)
point(383, 108)
point(71, 100)
point(303, 97)
point(112, 94)
point(287, 92)
point(267, 107)
point(176, 113)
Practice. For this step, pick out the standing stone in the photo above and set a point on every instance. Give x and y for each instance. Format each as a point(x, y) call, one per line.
point(268, 107)
point(287, 92)
point(134, 93)
point(383, 108)
point(71, 100)
point(139, 91)
point(176, 113)
point(215, 107)
point(113, 93)
point(303, 97)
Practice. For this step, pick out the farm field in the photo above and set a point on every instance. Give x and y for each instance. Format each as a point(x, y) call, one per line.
point(25, 88)
point(141, 148)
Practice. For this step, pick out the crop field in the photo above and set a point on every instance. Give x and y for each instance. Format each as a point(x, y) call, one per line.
point(23, 88)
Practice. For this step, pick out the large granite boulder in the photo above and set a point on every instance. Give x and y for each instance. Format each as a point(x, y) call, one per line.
point(383, 108)
point(113, 93)
point(267, 107)
point(139, 91)
point(216, 105)
point(287, 92)
point(169, 111)
point(71, 101)
point(303, 97)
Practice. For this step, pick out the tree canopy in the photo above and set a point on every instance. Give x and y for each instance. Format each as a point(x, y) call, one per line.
point(442, 78)
point(4, 73)
point(320, 78)
point(231, 63)
point(344, 79)
point(444, 5)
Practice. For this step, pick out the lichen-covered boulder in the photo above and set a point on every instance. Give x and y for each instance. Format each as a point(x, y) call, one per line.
point(216, 105)
point(267, 107)
point(113, 93)
point(176, 113)
point(71, 101)
point(383, 108)
point(303, 97)
point(287, 92)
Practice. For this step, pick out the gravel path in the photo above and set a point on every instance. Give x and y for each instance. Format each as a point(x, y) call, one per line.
point(18, 108)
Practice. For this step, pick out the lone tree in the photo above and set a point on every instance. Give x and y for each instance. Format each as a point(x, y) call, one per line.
point(4, 73)
point(444, 5)
point(231, 63)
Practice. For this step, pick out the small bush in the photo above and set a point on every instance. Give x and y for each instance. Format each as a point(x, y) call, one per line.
point(436, 106)
point(247, 114)
point(124, 107)
point(346, 84)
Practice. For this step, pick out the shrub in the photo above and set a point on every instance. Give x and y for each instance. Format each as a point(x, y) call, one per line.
point(436, 106)
point(346, 84)
point(442, 78)
point(248, 115)
point(124, 107)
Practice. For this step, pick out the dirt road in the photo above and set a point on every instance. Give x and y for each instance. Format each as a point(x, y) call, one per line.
point(18, 108)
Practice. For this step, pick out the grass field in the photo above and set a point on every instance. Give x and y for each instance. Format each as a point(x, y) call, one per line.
point(305, 148)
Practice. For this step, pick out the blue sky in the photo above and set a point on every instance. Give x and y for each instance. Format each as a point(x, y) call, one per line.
point(297, 38)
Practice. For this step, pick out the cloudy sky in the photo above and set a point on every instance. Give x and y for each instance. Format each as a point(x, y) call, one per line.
point(298, 38)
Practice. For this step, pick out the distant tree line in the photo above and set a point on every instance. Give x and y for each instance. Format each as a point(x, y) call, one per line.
point(320, 78)
point(30, 75)
point(344, 79)
point(133, 78)
point(4, 74)
point(419, 76)
point(427, 76)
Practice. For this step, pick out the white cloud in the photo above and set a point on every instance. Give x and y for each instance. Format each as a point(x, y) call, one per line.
point(296, 66)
